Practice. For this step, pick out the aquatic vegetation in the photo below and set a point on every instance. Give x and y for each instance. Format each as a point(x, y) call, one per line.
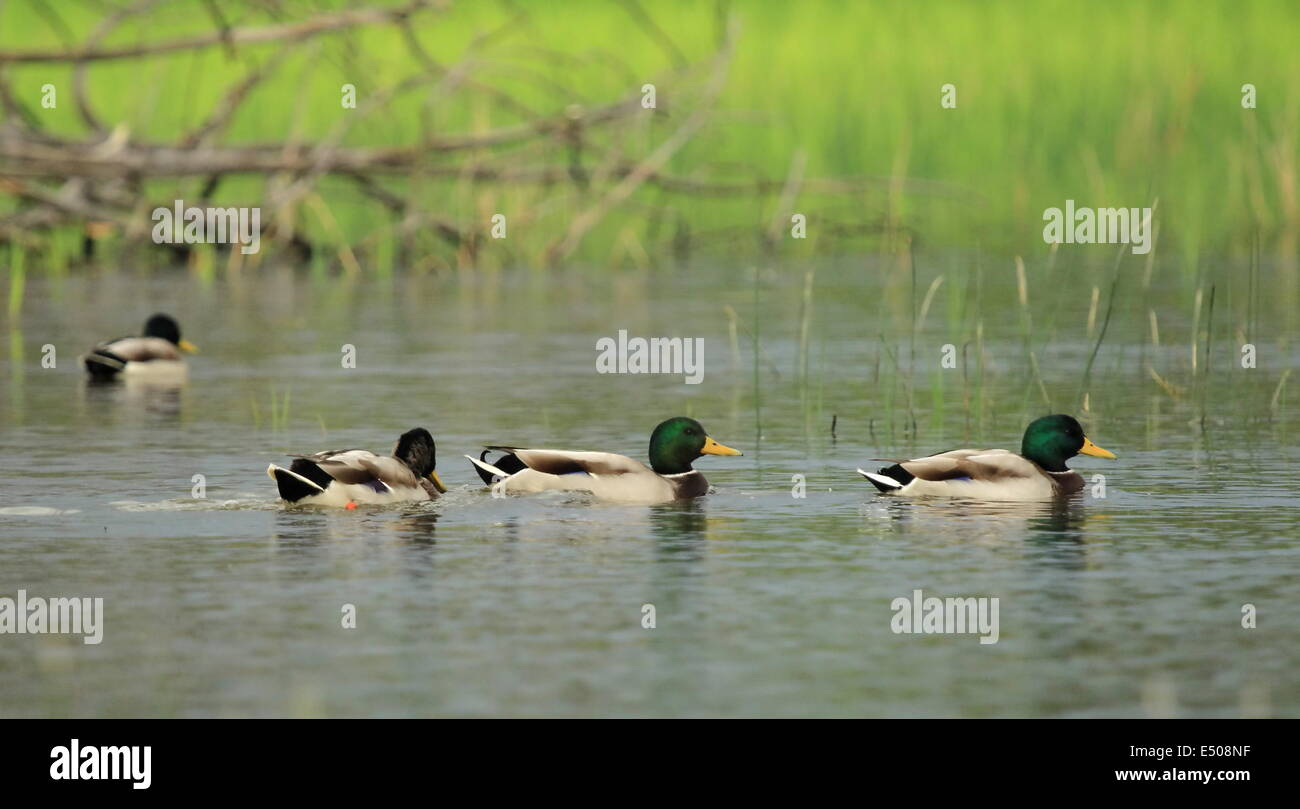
point(849, 132)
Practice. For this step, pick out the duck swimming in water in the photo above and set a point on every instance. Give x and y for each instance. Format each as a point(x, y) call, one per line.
point(674, 445)
point(159, 350)
point(345, 477)
point(1038, 472)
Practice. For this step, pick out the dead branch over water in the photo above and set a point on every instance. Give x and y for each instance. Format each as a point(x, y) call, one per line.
point(110, 177)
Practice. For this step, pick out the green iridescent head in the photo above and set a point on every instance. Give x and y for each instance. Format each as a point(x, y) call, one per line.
point(677, 442)
point(1053, 440)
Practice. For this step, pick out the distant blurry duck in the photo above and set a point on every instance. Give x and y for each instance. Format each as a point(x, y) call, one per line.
point(158, 351)
point(343, 477)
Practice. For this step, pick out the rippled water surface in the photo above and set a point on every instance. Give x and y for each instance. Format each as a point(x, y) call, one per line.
point(766, 603)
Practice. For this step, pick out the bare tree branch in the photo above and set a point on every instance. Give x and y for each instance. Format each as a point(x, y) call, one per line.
point(290, 32)
point(586, 220)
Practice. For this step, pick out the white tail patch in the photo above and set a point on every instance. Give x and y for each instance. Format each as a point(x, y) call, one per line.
point(272, 469)
point(487, 467)
point(881, 479)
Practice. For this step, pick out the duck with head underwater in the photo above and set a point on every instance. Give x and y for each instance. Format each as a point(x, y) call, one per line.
point(346, 477)
point(158, 351)
point(1038, 472)
point(674, 446)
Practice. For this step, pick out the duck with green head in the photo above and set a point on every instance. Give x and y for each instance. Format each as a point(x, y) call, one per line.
point(1037, 472)
point(674, 446)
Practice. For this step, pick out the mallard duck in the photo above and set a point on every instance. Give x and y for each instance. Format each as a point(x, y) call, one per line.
point(344, 477)
point(157, 351)
point(674, 445)
point(1038, 472)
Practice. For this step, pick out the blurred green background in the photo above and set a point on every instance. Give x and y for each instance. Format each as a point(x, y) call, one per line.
point(1109, 104)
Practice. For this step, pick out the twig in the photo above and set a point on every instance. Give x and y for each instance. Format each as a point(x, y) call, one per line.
point(291, 32)
point(586, 220)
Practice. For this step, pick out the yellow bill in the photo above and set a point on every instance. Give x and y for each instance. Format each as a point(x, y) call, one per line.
point(437, 482)
point(1092, 449)
point(187, 346)
point(712, 447)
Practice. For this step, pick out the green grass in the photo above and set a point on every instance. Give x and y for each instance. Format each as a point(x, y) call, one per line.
point(17, 280)
point(1108, 104)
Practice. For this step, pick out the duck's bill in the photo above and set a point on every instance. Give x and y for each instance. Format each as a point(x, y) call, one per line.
point(1095, 451)
point(187, 346)
point(712, 447)
point(437, 482)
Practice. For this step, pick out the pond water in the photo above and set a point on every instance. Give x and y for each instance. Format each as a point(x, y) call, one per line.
point(1124, 601)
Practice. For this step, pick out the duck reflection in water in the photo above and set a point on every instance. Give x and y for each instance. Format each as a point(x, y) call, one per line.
point(1058, 519)
point(159, 397)
point(416, 525)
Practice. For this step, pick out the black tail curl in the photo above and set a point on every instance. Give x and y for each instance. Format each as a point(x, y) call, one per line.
point(103, 364)
point(895, 472)
point(507, 463)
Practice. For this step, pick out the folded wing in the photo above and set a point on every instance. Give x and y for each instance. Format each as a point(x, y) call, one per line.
point(973, 464)
point(564, 462)
point(358, 466)
point(141, 349)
